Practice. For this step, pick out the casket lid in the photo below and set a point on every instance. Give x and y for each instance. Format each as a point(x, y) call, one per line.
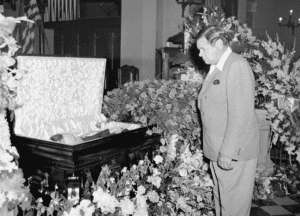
point(59, 94)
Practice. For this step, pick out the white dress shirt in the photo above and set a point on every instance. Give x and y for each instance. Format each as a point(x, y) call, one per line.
point(221, 62)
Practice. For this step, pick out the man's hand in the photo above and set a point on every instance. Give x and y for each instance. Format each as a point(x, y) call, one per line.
point(225, 162)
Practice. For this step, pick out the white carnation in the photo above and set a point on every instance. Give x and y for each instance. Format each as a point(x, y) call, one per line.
point(106, 202)
point(127, 206)
point(158, 159)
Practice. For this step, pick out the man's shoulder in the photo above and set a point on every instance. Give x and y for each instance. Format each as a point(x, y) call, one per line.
point(237, 60)
point(236, 57)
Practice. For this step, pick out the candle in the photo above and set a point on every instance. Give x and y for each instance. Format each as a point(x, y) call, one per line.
point(69, 193)
point(119, 77)
point(291, 12)
point(280, 19)
point(77, 192)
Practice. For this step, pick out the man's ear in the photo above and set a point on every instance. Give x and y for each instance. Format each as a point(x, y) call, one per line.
point(219, 44)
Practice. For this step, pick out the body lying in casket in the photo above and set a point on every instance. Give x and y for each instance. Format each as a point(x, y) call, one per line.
point(59, 122)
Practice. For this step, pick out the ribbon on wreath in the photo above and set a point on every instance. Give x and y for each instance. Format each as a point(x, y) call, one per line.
point(292, 106)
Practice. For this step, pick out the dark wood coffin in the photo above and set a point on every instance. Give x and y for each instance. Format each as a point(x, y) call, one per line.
point(64, 95)
point(35, 152)
point(66, 166)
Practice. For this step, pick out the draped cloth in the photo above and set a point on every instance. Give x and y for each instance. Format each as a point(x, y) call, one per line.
point(59, 95)
point(27, 30)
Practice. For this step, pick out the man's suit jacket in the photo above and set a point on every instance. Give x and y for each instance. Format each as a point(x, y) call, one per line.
point(226, 103)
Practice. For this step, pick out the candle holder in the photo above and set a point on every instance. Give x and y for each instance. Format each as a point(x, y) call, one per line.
point(290, 24)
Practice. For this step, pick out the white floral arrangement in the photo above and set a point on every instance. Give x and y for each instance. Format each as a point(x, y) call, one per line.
point(165, 187)
point(175, 182)
point(12, 189)
point(278, 77)
point(241, 34)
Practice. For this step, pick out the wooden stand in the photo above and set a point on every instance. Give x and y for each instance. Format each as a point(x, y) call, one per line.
point(166, 54)
point(265, 166)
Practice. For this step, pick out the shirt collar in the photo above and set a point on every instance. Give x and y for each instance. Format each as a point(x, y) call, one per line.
point(223, 59)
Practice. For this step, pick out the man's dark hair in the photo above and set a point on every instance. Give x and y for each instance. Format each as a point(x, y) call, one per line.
point(213, 33)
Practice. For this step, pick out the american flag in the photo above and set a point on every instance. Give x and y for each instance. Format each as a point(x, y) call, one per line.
point(27, 35)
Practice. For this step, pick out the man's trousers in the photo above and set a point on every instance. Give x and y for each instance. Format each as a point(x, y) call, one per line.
point(233, 189)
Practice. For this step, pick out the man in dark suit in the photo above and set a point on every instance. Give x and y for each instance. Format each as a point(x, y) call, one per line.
point(230, 126)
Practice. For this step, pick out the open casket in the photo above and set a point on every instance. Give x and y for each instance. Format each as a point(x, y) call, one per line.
point(65, 95)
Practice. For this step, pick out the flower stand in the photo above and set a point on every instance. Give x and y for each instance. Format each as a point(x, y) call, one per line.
point(265, 166)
